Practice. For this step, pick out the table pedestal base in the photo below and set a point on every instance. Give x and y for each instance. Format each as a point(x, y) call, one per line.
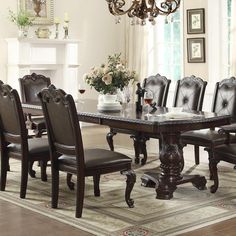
point(151, 180)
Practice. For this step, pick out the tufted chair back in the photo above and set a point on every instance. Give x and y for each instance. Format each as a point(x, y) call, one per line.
point(224, 102)
point(159, 85)
point(189, 93)
point(31, 85)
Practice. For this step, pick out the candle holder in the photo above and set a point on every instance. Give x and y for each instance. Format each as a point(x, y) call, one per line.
point(57, 30)
point(66, 29)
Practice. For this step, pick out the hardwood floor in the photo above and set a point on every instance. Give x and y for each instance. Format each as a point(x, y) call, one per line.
point(17, 221)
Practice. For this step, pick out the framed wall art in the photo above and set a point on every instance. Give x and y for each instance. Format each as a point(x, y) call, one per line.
point(196, 21)
point(196, 50)
point(41, 10)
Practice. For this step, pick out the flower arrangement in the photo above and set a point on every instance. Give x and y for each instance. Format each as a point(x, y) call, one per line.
point(109, 77)
point(21, 19)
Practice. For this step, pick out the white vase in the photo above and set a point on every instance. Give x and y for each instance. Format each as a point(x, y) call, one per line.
point(108, 102)
point(23, 31)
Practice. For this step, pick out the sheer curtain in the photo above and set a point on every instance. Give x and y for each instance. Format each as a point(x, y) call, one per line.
point(233, 39)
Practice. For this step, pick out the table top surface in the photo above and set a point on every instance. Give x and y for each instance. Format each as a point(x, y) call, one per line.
point(161, 118)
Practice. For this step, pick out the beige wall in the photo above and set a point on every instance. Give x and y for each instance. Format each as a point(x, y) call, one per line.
point(199, 69)
point(90, 22)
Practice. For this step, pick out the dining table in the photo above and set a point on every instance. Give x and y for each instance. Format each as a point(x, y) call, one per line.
point(165, 121)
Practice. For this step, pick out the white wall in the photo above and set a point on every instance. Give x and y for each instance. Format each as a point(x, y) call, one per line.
point(90, 22)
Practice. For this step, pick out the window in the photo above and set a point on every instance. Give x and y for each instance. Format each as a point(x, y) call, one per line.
point(165, 47)
point(226, 37)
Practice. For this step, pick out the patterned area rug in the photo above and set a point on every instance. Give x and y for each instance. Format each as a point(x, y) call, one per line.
point(109, 215)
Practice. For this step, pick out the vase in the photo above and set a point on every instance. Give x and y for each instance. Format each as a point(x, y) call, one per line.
point(23, 31)
point(108, 102)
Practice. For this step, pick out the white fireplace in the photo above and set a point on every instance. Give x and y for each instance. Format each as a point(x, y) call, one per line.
point(54, 58)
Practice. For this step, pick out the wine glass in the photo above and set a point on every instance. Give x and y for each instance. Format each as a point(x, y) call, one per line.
point(148, 97)
point(81, 90)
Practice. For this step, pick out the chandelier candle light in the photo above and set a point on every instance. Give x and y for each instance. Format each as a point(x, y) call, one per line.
point(142, 10)
point(66, 25)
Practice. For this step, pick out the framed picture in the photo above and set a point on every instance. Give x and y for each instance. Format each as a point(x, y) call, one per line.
point(41, 10)
point(196, 21)
point(196, 50)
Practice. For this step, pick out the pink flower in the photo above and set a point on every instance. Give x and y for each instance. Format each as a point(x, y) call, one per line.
point(107, 79)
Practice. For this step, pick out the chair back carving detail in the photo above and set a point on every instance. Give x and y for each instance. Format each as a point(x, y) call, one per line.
point(159, 85)
point(31, 85)
point(189, 93)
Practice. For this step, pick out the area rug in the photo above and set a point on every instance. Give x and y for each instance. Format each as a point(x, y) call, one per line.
point(109, 215)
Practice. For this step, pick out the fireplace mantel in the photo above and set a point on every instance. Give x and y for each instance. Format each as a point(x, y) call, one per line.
point(55, 58)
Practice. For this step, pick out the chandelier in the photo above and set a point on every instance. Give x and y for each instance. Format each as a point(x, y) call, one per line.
point(143, 9)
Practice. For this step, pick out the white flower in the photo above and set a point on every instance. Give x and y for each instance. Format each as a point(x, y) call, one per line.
point(105, 70)
point(107, 79)
point(85, 76)
point(120, 67)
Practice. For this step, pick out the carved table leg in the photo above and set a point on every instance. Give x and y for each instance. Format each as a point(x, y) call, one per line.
point(137, 145)
point(110, 139)
point(171, 157)
point(131, 179)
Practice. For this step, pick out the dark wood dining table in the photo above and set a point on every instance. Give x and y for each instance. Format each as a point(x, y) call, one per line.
point(171, 154)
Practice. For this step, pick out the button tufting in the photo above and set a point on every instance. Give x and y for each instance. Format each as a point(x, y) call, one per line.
point(185, 100)
point(225, 103)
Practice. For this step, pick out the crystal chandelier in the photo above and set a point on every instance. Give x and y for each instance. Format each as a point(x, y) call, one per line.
point(142, 10)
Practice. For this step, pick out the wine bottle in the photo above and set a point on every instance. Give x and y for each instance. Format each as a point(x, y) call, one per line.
point(139, 98)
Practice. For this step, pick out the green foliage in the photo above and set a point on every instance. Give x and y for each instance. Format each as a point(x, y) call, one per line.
point(22, 18)
point(109, 77)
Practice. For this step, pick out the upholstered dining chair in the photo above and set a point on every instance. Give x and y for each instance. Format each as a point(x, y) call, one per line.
point(224, 102)
point(68, 154)
point(14, 140)
point(159, 85)
point(30, 86)
point(225, 152)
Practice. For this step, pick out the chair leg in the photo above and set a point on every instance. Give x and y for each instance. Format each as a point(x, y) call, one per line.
point(69, 182)
point(196, 153)
point(55, 186)
point(144, 151)
point(24, 177)
point(4, 168)
point(96, 180)
point(43, 166)
point(110, 139)
point(80, 196)
point(213, 166)
point(210, 157)
point(37, 133)
point(131, 179)
point(137, 145)
point(32, 173)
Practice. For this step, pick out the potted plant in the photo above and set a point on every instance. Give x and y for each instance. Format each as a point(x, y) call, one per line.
point(109, 77)
point(23, 20)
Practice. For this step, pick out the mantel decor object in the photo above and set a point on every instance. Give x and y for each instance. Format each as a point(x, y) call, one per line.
point(57, 23)
point(43, 32)
point(141, 10)
point(66, 25)
point(40, 10)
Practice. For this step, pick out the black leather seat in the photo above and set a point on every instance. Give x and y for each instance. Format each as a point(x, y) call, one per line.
point(14, 140)
point(30, 86)
point(224, 102)
point(160, 87)
point(68, 154)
